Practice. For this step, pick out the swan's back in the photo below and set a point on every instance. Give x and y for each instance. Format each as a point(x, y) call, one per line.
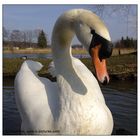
point(32, 93)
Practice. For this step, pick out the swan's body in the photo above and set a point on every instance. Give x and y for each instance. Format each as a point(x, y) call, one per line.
point(75, 104)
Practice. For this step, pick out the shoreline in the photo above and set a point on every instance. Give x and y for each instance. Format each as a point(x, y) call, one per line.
point(123, 67)
point(116, 51)
point(41, 51)
point(123, 76)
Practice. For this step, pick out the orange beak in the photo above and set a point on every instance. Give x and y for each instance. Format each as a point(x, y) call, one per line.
point(100, 65)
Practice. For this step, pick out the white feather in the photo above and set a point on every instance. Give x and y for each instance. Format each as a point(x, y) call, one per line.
point(51, 69)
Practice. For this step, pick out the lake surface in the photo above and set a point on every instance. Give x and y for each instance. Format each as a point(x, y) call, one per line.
point(120, 96)
point(12, 55)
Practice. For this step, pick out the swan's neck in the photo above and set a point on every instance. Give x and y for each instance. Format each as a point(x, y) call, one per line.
point(63, 34)
point(62, 55)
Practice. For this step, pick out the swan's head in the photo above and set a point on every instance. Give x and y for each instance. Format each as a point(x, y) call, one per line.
point(94, 35)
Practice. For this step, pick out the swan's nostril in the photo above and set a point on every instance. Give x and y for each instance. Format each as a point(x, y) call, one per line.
point(105, 82)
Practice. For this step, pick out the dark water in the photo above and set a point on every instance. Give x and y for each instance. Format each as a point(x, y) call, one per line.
point(11, 118)
point(40, 55)
point(120, 96)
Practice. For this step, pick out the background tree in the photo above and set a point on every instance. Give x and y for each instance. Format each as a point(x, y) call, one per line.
point(42, 42)
point(5, 34)
point(29, 37)
point(16, 37)
point(125, 12)
point(126, 43)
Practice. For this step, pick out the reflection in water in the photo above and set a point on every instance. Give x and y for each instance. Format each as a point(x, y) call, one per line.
point(124, 85)
point(122, 103)
point(124, 109)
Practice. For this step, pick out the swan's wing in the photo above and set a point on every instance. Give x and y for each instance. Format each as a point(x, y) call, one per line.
point(52, 91)
point(36, 98)
point(51, 69)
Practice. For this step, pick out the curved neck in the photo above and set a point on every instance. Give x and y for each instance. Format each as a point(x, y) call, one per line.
point(61, 48)
point(63, 34)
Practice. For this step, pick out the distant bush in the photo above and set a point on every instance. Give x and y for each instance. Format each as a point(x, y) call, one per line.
point(126, 43)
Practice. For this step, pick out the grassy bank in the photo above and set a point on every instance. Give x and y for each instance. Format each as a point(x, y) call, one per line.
point(119, 67)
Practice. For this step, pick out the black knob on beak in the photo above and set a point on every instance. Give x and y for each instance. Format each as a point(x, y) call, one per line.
point(105, 50)
point(106, 46)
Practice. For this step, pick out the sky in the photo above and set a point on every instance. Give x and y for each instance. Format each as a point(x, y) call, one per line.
point(30, 17)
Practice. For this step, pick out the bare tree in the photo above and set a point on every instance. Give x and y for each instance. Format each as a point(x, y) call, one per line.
point(36, 33)
point(16, 37)
point(28, 37)
point(124, 12)
point(99, 9)
point(6, 34)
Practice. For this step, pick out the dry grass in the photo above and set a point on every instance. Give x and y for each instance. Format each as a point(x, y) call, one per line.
point(41, 51)
point(123, 64)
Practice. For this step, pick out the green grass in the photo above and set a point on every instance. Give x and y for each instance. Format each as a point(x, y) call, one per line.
point(122, 59)
point(12, 66)
point(116, 65)
point(122, 64)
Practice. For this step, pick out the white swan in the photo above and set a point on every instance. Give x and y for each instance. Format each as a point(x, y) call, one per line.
point(74, 105)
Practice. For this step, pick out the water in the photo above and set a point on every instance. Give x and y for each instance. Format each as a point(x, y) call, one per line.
point(49, 56)
point(120, 96)
point(11, 117)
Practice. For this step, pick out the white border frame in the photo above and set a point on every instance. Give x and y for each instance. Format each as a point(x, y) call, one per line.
point(64, 2)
